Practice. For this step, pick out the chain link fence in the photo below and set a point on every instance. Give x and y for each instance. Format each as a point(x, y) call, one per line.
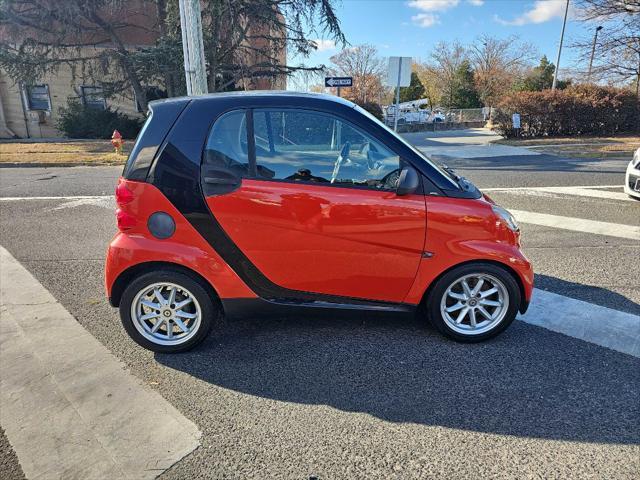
point(417, 117)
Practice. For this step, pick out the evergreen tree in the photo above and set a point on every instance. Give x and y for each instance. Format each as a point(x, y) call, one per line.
point(415, 90)
point(540, 78)
point(463, 93)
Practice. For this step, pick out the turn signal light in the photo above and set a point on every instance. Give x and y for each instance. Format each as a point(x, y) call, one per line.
point(124, 220)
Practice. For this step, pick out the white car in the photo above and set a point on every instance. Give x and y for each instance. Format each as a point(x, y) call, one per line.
point(632, 179)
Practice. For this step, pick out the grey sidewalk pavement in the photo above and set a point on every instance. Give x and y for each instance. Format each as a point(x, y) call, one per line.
point(69, 408)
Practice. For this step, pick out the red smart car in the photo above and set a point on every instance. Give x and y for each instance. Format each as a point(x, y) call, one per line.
point(267, 203)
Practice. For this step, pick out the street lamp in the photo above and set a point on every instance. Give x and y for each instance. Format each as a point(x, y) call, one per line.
point(593, 51)
point(564, 23)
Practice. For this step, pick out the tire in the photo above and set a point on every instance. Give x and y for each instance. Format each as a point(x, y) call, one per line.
point(448, 294)
point(197, 314)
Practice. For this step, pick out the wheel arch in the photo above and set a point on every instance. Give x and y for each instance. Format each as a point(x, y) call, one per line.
point(128, 275)
point(524, 304)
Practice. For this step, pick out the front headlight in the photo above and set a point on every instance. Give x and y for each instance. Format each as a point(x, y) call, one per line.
point(636, 159)
point(506, 217)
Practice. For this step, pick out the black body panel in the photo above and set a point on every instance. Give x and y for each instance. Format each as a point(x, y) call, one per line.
point(162, 116)
point(236, 308)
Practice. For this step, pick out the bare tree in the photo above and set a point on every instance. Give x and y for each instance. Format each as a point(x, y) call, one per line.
point(617, 51)
point(498, 64)
point(447, 59)
point(367, 69)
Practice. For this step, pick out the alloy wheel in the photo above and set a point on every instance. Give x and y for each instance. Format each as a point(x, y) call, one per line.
point(474, 304)
point(166, 313)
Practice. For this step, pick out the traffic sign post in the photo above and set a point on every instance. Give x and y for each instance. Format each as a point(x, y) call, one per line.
point(338, 82)
point(399, 73)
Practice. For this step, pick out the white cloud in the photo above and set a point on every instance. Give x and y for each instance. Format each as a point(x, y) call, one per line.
point(476, 3)
point(324, 45)
point(542, 11)
point(425, 20)
point(433, 5)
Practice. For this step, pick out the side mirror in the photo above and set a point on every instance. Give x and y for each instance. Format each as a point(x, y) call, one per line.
point(408, 182)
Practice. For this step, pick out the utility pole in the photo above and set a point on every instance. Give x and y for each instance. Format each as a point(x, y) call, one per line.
point(564, 23)
point(193, 47)
point(593, 51)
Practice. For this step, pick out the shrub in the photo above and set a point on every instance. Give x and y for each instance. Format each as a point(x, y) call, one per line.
point(578, 110)
point(79, 121)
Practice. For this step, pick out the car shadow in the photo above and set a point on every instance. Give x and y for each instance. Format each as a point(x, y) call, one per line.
point(588, 293)
point(528, 382)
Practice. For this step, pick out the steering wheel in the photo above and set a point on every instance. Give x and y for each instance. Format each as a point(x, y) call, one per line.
point(344, 155)
point(390, 180)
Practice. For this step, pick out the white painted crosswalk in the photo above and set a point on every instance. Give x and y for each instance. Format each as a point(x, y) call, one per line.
point(619, 230)
point(592, 323)
point(591, 192)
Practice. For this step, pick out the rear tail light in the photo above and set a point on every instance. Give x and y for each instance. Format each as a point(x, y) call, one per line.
point(124, 219)
point(123, 194)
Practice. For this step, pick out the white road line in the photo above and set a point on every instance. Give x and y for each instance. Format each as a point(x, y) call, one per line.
point(69, 408)
point(72, 197)
point(603, 326)
point(579, 191)
point(578, 224)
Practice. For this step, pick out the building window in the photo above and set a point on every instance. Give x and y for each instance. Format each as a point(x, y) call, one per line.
point(93, 97)
point(37, 97)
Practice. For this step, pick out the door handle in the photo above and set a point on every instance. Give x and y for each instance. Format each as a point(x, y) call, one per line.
point(221, 181)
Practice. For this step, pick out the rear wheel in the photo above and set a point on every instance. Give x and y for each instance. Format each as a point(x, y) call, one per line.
point(473, 302)
point(166, 311)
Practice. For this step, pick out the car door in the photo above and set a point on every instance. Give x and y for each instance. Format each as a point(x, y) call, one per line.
point(315, 209)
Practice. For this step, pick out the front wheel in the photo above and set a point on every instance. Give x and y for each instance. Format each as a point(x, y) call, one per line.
point(473, 302)
point(167, 311)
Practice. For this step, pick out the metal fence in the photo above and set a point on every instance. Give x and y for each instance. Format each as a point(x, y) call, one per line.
point(440, 115)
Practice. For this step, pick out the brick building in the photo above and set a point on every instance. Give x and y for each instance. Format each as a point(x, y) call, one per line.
point(31, 111)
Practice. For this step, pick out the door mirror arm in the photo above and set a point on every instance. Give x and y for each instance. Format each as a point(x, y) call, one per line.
point(408, 182)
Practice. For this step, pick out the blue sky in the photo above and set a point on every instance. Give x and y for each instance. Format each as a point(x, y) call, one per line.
point(412, 27)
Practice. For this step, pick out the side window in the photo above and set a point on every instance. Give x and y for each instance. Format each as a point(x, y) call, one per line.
point(307, 146)
point(226, 149)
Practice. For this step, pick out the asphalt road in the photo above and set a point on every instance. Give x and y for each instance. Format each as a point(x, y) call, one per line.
point(372, 397)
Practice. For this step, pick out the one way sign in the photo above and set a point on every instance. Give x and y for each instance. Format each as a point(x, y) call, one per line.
point(338, 81)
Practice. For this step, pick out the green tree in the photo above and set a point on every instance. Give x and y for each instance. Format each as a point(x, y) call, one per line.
point(415, 90)
point(540, 78)
point(463, 93)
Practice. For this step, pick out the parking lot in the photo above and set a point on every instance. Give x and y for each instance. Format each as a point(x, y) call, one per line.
point(372, 397)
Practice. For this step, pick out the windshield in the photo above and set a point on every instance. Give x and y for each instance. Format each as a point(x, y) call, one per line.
point(445, 173)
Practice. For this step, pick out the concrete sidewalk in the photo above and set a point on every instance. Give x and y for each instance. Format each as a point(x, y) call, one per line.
point(471, 143)
point(69, 408)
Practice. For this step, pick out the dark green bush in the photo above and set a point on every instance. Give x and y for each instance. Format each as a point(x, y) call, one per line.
point(78, 121)
point(374, 109)
point(578, 110)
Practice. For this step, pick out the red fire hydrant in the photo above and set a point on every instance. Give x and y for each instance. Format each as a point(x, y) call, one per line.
point(117, 141)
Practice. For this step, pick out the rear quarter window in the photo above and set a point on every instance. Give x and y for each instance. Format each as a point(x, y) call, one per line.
point(161, 118)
